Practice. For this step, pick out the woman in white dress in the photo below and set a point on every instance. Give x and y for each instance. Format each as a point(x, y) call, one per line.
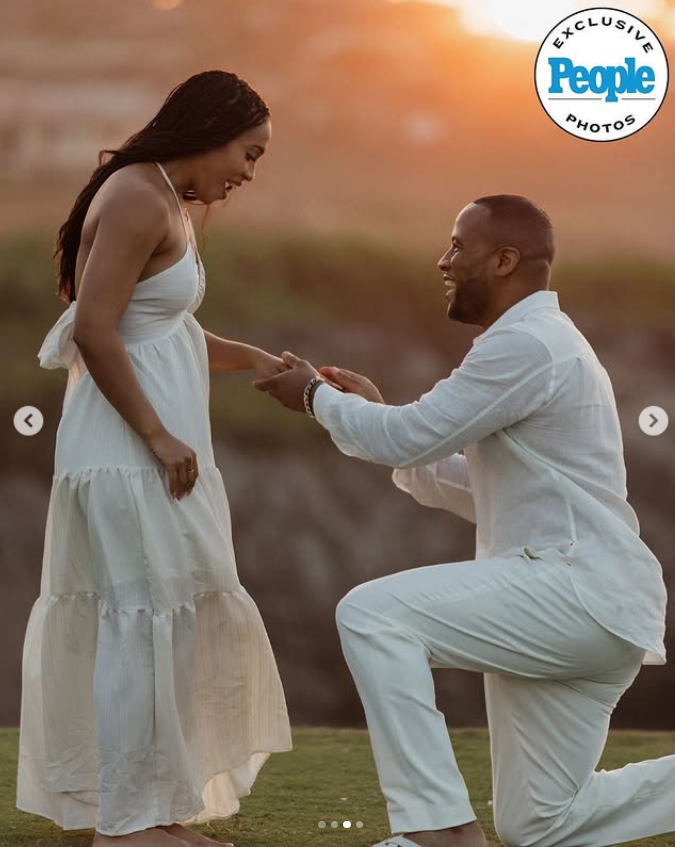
point(151, 697)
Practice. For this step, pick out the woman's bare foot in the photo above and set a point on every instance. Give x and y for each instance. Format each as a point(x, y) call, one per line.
point(193, 837)
point(153, 837)
point(466, 835)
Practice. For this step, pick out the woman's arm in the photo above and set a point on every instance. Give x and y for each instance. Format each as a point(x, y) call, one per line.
point(225, 355)
point(122, 245)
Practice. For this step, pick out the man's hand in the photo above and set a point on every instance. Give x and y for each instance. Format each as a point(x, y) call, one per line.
point(288, 387)
point(353, 383)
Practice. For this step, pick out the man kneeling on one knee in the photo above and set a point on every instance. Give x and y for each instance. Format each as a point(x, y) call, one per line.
point(563, 603)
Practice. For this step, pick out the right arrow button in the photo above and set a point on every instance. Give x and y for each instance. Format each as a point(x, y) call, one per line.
point(653, 420)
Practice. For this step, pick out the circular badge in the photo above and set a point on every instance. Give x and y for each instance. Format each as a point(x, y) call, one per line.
point(601, 74)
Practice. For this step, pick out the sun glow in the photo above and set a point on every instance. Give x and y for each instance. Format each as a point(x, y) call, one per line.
point(531, 20)
point(523, 20)
point(527, 20)
point(166, 5)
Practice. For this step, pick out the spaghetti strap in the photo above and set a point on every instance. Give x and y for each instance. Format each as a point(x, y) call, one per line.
point(183, 216)
point(180, 207)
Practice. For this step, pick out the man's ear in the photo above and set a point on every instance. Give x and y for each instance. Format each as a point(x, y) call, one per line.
point(507, 260)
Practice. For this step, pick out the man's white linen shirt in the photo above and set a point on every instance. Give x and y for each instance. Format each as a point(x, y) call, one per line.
point(542, 471)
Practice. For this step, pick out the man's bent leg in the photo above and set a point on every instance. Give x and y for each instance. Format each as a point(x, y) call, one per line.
point(547, 737)
point(415, 762)
point(513, 616)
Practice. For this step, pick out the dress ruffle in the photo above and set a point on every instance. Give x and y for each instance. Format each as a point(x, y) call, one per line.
point(217, 714)
point(150, 689)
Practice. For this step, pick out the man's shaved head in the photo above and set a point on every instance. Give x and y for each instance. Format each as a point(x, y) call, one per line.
point(518, 221)
point(501, 251)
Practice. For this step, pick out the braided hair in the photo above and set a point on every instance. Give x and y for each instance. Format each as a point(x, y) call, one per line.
point(206, 111)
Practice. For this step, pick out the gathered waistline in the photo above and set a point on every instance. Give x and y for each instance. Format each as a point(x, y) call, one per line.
point(105, 609)
point(175, 325)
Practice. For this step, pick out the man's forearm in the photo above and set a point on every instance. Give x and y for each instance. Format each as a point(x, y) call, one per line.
point(443, 484)
point(227, 355)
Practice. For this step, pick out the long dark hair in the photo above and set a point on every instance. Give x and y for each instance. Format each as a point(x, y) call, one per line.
point(206, 111)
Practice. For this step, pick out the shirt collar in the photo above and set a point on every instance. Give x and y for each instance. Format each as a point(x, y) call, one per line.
point(543, 299)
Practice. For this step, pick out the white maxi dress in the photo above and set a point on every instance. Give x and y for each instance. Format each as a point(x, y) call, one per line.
point(150, 691)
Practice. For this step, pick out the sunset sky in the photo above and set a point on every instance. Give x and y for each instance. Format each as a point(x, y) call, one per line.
point(388, 115)
point(530, 20)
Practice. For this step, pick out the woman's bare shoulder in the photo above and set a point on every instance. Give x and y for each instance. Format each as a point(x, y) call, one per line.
point(131, 189)
point(132, 183)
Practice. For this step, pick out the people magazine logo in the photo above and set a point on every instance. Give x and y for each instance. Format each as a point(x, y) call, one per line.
point(601, 74)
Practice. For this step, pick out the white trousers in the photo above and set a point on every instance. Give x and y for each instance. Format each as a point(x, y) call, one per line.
point(552, 679)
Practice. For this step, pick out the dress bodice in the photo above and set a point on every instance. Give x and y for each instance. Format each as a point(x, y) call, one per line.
point(158, 305)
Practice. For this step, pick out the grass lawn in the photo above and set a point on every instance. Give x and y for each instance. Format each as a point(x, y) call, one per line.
point(329, 776)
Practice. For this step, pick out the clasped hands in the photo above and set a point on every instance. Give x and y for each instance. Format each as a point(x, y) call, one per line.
point(288, 387)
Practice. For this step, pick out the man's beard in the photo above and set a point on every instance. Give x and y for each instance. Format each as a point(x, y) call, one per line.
point(468, 304)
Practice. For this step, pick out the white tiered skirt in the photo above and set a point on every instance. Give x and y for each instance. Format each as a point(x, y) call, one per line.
point(150, 691)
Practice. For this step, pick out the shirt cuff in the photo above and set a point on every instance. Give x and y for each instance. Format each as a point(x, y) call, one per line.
point(321, 399)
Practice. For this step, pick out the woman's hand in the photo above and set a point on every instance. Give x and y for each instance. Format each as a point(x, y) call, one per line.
point(267, 365)
point(353, 383)
point(177, 458)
